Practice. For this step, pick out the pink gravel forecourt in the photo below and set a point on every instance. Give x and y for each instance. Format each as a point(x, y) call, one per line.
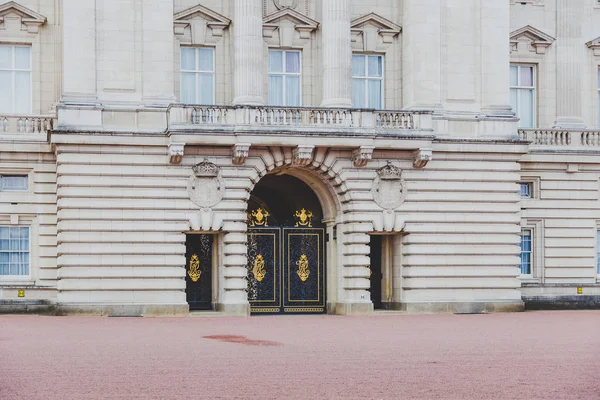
point(530, 355)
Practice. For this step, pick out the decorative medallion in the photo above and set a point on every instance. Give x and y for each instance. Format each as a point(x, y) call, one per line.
point(259, 268)
point(205, 187)
point(389, 190)
point(286, 4)
point(303, 270)
point(303, 218)
point(258, 217)
point(194, 271)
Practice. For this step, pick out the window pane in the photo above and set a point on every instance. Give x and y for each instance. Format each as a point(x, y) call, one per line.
point(292, 91)
point(276, 90)
point(188, 88)
point(6, 91)
point(526, 74)
point(5, 57)
point(13, 183)
point(359, 95)
point(375, 66)
point(513, 100)
point(205, 89)
point(375, 94)
point(23, 92)
point(205, 59)
point(188, 58)
point(525, 189)
point(275, 61)
point(514, 72)
point(358, 66)
point(22, 57)
point(292, 62)
point(598, 252)
point(525, 108)
point(526, 263)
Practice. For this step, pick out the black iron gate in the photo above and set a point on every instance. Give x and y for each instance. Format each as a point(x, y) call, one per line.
point(286, 270)
point(198, 271)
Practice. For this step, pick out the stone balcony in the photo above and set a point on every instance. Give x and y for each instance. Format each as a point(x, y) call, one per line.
point(26, 125)
point(559, 140)
point(333, 121)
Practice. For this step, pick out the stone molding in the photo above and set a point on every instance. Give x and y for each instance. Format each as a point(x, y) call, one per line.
point(30, 19)
point(302, 155)
point(422, 157)
point(370, 27)
point(538, 40)
point(594, 45)
point(389, 188)
point(300, 22)
point(216, 22)
point(206, 220)
point(240, 153)
point(176, 152)
point(362, 155)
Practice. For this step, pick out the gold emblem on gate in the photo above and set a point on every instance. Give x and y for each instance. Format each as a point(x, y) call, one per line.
point(259, 268)
point(303, 270)
point(194, 271)
point(370, 272)
point(304, 218)
point(259, 217)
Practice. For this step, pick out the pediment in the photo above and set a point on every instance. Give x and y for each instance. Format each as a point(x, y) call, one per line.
point(538, 40)
point(215, 21)
point(31, 19)
point(376, 20)
point(299, 19)
point(594, 45)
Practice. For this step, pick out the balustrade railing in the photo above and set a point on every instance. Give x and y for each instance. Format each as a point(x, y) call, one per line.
point(26, 124)
point(561, 138)
point(297, 117)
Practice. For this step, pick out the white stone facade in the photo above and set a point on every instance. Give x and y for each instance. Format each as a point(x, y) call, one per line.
point(109, 146)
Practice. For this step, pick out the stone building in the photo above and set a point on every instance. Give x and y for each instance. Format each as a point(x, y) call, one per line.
point(298, 156)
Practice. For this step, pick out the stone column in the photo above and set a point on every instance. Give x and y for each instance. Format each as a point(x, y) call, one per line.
point(79, 51)
point(495, 58)
point(337, 54)
point(570, 57)
point(421, 54)
point(248, 54)
point(235, 299)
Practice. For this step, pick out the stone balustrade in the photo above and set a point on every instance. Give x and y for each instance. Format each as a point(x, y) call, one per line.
point(26, 124)
point(199, 117)
point(562, 139)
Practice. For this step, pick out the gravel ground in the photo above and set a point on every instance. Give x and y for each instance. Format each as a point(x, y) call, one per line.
point(533, 355)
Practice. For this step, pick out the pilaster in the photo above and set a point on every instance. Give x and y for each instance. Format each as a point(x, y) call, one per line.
point(337, 54)
point(248, 52)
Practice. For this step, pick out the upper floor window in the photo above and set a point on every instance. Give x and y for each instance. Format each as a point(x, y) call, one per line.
point(526, 189)
point(15, 79)
point(367, 81)
point(526, 251)
point(13, 183)
point(14, 250)
point(197, 75)
point(285, 78)
point(599, 97)
point(522, 93)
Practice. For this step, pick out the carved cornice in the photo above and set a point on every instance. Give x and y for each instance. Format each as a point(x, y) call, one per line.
point(385, 28)
point(422, 157)
point(176, 152)
point(302, 155)
point(215, 21)
point(303, 24)
point(362, 155)
point(240, 153)
point(29, 18)
point(594, 45)
point(538, 40)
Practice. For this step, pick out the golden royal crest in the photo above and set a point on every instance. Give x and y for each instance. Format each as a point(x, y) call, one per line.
point(259, 217)
point(304, 218)
point(259, 268)
point(194, 271)
point(303, 270)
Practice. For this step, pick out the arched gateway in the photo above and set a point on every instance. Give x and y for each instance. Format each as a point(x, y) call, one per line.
point(286, 248)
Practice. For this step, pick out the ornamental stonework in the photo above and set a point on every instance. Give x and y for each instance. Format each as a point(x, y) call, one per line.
point(205, 186)
point(389, 188)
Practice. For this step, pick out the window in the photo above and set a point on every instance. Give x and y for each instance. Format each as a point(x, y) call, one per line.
point(197, 75)
point(15, 79)
point(284, 78)
point(598, 252)
point(526, 189)
point(599, 97)
point(367, 81)
point(526, 236)
point(14, 250)
point(13, 183)
point(522, 94)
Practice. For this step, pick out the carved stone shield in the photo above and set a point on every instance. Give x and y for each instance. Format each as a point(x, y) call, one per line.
point(205, 186)
point(389, 188)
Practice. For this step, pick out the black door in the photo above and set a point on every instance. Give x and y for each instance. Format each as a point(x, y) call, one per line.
point(376, 275)
point(286, 270)
point(198, 271)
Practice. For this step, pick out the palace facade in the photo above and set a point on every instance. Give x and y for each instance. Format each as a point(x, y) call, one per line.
point(299, 156)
